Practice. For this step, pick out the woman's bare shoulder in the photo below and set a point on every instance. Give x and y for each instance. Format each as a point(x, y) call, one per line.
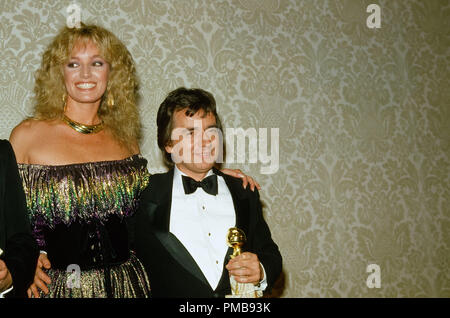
point(22, 131)
point(124, 149)
point(27, 130)
point(26, 135)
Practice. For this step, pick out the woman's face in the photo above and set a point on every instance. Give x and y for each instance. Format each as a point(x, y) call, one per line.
point(86, 74)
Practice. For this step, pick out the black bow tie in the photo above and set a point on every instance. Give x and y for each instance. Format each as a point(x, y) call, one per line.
point(208, 184)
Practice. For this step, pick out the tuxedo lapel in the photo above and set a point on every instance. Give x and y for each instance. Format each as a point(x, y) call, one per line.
point(241, 209)
point(158, 209)
point(240, 201)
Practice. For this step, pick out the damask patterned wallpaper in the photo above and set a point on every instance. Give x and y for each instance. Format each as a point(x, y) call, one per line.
point(363, 117)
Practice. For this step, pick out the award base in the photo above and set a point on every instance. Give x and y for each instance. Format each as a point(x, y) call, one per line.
point(241, 290)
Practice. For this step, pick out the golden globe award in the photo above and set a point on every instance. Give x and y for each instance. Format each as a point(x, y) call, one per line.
point(236, 239)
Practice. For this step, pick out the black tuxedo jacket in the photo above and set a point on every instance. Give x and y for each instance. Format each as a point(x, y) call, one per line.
point(20, 251)
point(172, 270)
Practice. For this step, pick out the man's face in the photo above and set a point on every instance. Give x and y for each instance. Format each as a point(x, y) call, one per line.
point(195, 142)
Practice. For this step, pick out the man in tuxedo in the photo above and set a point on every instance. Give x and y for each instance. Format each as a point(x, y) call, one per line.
point(18, 249)
point(181, 226)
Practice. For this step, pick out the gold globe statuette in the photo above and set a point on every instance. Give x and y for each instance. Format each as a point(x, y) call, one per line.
point(236, 239)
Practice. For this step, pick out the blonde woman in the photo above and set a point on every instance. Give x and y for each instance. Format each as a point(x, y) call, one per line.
point(81, 167)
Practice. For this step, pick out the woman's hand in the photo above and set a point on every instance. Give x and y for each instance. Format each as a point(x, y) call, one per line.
point(40, 277)
point(5, 277)
point(245, 179)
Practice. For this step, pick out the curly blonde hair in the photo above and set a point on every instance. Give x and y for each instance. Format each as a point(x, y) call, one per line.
point(122, 118)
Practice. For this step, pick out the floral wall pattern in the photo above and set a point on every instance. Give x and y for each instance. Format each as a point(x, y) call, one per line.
point(363, 117)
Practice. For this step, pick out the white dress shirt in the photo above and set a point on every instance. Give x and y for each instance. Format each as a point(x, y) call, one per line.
point(201, 221)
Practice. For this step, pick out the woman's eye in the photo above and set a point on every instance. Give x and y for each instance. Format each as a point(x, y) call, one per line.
point(97, 63)
point(72, 64)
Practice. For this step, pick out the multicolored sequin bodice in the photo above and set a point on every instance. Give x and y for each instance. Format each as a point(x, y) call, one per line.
point(82, 193)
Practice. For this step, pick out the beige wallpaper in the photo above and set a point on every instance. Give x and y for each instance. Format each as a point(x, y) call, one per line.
point(363, 117)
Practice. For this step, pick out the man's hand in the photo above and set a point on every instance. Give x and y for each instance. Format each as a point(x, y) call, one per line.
point(5, 277)
point(40, 277)
point(246, 268)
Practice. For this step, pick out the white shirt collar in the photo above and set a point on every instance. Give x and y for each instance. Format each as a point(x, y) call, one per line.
point(178, 173)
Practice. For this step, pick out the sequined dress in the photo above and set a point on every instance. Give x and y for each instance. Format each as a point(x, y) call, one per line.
point(79, 215)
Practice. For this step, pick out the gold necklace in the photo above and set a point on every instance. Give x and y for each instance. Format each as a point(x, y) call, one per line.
point(81, 128)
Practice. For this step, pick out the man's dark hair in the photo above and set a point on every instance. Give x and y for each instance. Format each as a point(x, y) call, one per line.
point(192, 100)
